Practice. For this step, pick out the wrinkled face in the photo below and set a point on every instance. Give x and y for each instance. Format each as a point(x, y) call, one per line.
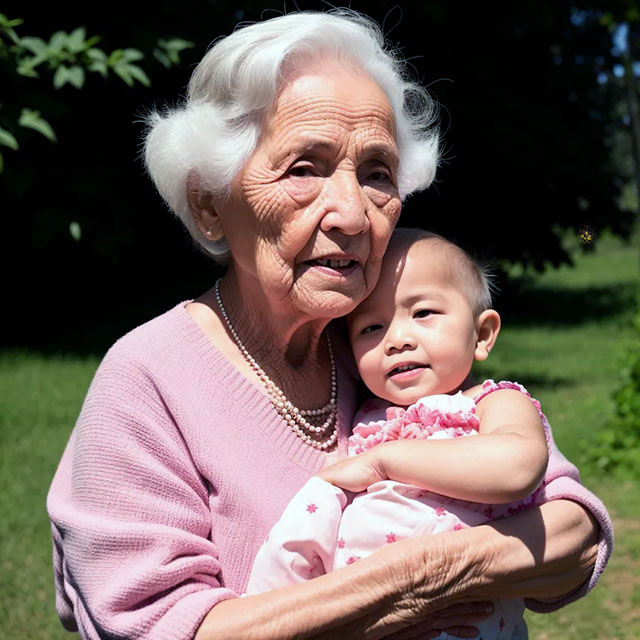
point(312, 211)
point(415, 335)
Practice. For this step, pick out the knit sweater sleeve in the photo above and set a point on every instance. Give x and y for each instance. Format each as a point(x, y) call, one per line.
point(133, 556)
point(562, 481)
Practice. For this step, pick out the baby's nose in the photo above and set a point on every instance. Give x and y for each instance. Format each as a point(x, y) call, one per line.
point(399, 338)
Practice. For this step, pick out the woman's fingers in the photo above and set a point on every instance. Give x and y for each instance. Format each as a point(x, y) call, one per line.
point(456, 620)
point(417, 632)
point(461, 632)
point(425, 631)
point(471, 611)
point(420, 632)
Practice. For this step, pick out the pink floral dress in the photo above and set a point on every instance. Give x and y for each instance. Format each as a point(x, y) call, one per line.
point(323, 528)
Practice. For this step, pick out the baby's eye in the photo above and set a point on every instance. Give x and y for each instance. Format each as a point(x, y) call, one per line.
point(371, 328)
point(423, 313)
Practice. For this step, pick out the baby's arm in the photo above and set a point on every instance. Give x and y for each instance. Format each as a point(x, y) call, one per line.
point(504, 463)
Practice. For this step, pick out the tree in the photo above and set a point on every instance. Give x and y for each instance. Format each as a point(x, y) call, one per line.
point(68, 56)
point(527, 131)
point(623, 22)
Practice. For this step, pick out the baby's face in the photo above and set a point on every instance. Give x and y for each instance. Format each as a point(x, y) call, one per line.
point(416, 334)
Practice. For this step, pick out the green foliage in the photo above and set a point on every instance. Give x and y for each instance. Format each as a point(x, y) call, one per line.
point(69, 57)
point(7, 140)
point(618, 446)
point(168, 51)
point(32, 120)
point(7, 33)
point(628, 11)
point(75, 231)
point(120, 61)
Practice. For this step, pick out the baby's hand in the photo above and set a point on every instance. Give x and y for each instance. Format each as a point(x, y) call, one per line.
point(356, 473)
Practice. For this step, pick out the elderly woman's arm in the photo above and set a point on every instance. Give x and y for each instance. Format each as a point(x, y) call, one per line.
point(134, 556)
point(543, 553)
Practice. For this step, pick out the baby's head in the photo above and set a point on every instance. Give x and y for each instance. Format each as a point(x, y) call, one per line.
point(426, 321)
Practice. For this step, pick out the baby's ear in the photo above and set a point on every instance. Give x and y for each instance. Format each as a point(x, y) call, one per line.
point(488, 327)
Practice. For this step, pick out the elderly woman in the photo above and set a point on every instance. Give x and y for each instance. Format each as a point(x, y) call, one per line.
point(299, 138)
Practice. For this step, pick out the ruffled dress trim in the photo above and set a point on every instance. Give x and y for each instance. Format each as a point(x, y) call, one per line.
point(450, 416)
point(454, 416)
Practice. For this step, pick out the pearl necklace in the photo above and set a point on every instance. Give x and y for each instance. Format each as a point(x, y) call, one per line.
point(293, 416)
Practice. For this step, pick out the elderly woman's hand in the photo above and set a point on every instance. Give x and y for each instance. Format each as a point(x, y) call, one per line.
point(411, 589)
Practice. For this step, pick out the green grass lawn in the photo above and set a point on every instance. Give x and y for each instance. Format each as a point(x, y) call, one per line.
point(563, 338)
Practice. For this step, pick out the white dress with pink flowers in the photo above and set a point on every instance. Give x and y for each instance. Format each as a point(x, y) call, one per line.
point(325, 528)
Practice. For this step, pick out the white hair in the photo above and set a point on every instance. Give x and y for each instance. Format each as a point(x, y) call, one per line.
point(236, 83)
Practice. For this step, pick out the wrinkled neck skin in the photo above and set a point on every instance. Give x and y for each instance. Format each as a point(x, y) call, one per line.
point(288, 345)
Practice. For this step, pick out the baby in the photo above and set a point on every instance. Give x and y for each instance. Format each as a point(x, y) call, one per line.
point(412, 468)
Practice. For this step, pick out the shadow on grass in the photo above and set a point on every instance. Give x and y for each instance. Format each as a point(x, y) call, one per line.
point(523, 303)
point(528, 380)
point(91, 327)
point(87, 333)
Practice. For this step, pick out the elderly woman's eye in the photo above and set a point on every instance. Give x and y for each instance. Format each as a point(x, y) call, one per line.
point(379, 176)
point(376, 175)
point(302, 171)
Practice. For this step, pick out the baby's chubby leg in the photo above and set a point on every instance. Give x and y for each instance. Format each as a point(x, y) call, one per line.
point(301, 545)
point(386, 512)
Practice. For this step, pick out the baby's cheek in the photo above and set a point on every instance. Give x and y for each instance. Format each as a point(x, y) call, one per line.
point(370, 371)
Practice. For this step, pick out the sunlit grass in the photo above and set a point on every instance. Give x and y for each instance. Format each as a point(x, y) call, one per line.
point(39, 403)
point(567, 348)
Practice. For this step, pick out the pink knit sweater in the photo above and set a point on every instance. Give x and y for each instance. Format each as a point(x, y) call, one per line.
point(174, 474)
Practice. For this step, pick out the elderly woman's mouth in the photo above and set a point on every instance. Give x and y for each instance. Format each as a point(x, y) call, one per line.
point(334, 266)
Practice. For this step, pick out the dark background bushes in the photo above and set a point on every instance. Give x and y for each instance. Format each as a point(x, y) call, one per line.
point(534, 147)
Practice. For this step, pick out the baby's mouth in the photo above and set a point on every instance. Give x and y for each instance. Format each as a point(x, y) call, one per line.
point(406, 367)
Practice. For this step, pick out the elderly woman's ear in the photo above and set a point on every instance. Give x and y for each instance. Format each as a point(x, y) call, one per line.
point(201, 203)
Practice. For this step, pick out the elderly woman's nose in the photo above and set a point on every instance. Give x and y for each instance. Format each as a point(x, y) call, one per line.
point(345, 204)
